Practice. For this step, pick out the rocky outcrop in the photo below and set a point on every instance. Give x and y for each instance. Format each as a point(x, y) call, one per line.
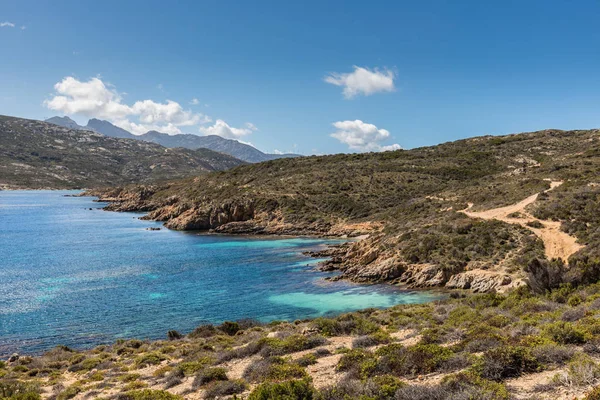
point(479, 281)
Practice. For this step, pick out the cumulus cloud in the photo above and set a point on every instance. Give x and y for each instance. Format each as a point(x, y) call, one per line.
point(223, 129)
point(95, 99)
point(194, 101)
point(361, 136)
point(363, 81)
point(6, 24)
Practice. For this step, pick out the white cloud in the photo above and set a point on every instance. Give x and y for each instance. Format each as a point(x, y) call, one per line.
point(194, 101)
point(363, 81)
point(278, 152)
point(361, 136)
point(23, 27)
point(221, 128)
point(95, 99)
point(6, 24)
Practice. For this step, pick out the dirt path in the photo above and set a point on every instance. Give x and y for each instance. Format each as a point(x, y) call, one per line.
point(557, 244)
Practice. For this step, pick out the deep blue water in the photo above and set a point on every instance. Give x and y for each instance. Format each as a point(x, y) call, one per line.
point(80, 277)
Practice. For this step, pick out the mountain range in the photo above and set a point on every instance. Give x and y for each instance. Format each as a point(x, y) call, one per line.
point(35, 154)
point(232, 147)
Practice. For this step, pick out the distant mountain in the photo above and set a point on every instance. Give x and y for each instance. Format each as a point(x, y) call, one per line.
point(234, 148)
point(108, 129)
point(35, 154)
point(65, 122)
point(213, 142)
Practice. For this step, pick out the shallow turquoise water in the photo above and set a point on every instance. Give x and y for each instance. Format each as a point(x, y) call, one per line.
point(80, 277)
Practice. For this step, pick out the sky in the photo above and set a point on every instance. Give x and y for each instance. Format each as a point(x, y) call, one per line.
point(310, 77)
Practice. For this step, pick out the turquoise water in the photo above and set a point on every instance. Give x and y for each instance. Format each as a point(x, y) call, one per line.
point(80, 277)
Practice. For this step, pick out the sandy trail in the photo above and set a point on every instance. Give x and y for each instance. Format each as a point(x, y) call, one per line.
point(557, 244)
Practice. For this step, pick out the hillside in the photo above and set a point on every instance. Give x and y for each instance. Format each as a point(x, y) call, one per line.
point(419, 207)
point(234, 148)
point(36, 154)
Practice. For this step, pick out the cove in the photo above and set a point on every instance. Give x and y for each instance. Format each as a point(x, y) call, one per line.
point(79, 277)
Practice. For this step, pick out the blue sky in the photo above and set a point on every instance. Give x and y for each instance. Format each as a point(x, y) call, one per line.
point(460, 68)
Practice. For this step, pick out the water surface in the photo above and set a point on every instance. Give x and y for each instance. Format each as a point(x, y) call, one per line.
point(79, 277)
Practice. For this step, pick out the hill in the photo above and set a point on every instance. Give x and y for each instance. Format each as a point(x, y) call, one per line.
point(36, 154)
point(435, 216)
point(232, 147)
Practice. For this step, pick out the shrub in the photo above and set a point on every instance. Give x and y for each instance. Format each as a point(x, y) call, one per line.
point(224, 388)
point(273, 369)
point(582, 371)
point(69, 392)
point(174, 335)
point(552, 354)
point(289, 390)
point(420, 359)
point(564, 333)
point(376, 388)
point(353, 359)
point(152, 358)
point(535, 224)
point(149, 394)
point(12, 389)
point(229, 328)
point(306, 360)
point(191, 367)
point(174, 378)
point(203, 331)
point(374, 339)
point(506, 362)
point(290, 344)
point(209, 375)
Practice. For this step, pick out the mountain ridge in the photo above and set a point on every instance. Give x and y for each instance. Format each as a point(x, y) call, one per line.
point(35, 154)
point(232, 147)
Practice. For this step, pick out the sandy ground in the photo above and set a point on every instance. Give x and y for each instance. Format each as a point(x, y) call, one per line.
point(557, 244)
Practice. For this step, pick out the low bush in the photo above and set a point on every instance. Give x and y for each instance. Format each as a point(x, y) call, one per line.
point(551, 354)
point(209, 375)
point(290, 344)
point(220, 389)
point(148, 394)
point(564, 333)
point(288, 390)
point(151, 358)
point(15, 390)
point(273, 369)
point(506, 362)
point(581, 371)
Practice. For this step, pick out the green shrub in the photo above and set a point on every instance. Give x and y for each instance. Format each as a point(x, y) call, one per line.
point(191, 367)
point(220, 389)
point(69, 392)
point(420, 359)
point(148, 394)
point(506, 362)
point(354, 359)
point(209, 375)
point(230, 328)
point(564, 333)
point(581, 371)
point(15, 390)
point(289, 390)
point(306, 360)
point(273, 369)
point(290, 344)
point(152, 358)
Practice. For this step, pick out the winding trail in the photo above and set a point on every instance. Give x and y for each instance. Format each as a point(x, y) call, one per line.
point(557, 244)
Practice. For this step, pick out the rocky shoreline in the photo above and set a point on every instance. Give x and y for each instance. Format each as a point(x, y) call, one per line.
point(368, 260)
